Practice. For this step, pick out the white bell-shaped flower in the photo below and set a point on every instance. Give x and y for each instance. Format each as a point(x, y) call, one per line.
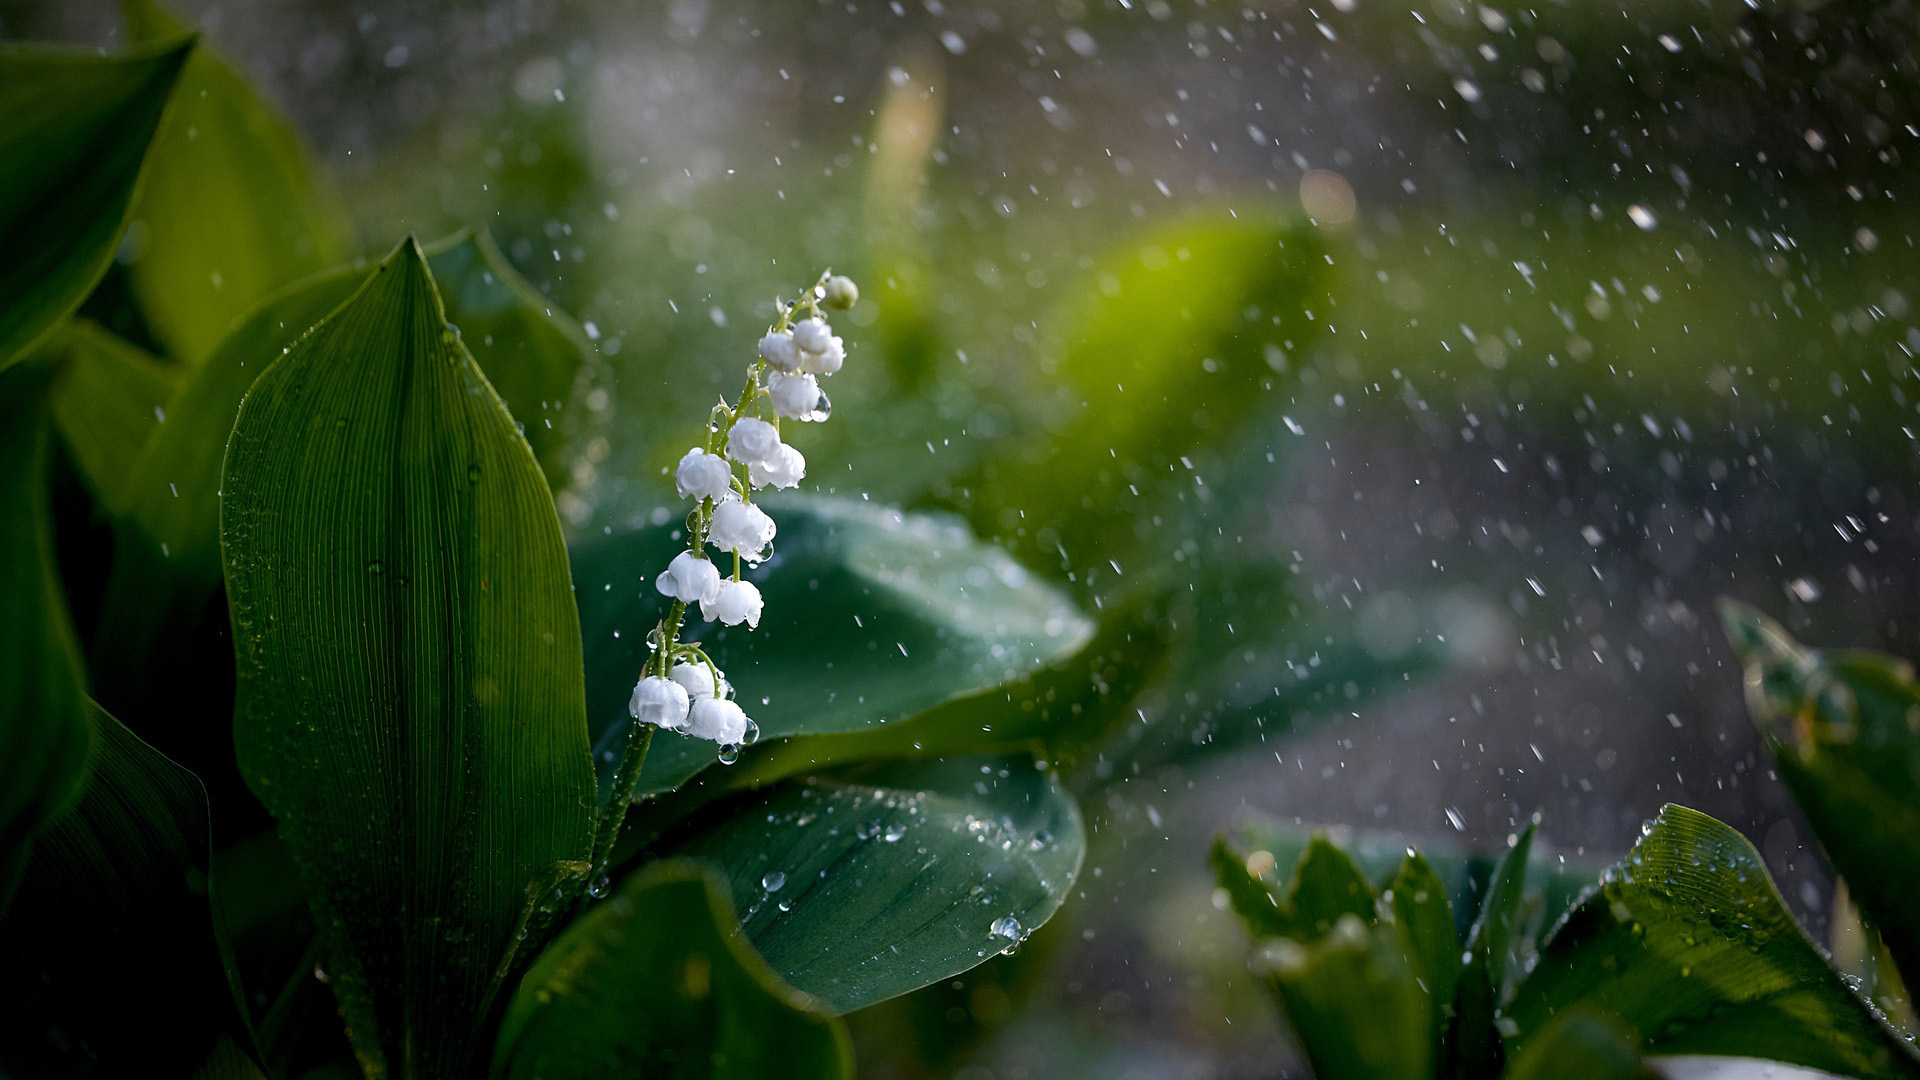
point(752, 440)
point(698, 681)
point(660, 702)
point(779, 350)
point(701, 475)
point(741, 528)
point(689, 579)
point(736, 602)
point(795, 397)
point(825, 360)
point(719, 720)
point(812, 334)
point(787, 469)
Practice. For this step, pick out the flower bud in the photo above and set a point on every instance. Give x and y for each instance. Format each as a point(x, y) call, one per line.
point(697, 680)
point(795, 397)
point(717, 719)
point(779, 350)
point(688, 578)
point(660, 702)
point(825, 360)
point(737, 602)
point(812, 334)
point(842, 293)
point(703, 476)
point(752, 440)
point(786, 470)
point(741, 528)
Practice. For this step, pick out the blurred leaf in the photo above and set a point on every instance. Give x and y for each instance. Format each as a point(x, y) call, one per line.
point(657, 981)
point(1177, 336)
point(409, 671)
point(532, 351)
point(233, 206)
point(1419, 903)
point(111, 942)
point(1584, 1044)
point(1474, 1047)
point(228, 1062)
point(1256, 904)
point(864, 885)
point(1842, 729)
point(1688, 945)
point(108, 400)
point(872, 616)
point(1325, 886)
point(1352, 1000)
point(45, 729)
point(79, 125)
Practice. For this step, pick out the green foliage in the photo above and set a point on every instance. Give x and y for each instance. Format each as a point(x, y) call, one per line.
point(864, 885)
point(108, 400)
point(1842, 727)
point(231, 208)
point(872, 616)
point(138, 983)
point(45, 727)
point(1683, 948)
point(78, 127)
point(615, 996)
point(410, 703)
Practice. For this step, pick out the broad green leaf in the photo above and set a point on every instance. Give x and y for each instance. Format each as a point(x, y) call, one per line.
point(1352, 1000)
point(657, 981)
point(112, 928)
point(108, 400)
point(1176, 334)
point(864, 885)
point(1252, 900)
point(532, 351)
point(1325, 886)
point(1689, 946)
point(1419, 903)
point(78, 127)
point(1474, 1048)
point(45, 726)
point(1842, 729)
point(233, 206)
point(409, 695)
point(872, 616)
point(1584, 1044)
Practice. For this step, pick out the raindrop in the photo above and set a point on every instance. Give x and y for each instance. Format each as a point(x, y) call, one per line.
point(729, 753)
point(1642, 217)
point(1006, 926)
point(600, 887)
point(752, 734)
point(774, 881)
point(894, 832)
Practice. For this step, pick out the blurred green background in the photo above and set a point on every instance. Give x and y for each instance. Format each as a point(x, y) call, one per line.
point(1436, 363)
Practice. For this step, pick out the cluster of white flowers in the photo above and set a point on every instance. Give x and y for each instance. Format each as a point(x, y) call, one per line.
point(683, 691)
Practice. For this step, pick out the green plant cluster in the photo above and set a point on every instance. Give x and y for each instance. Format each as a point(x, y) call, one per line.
point(1682, 948)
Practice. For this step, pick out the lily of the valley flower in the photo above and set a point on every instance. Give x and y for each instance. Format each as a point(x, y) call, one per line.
point(735, 602)
point(795, 397)
point(660, 702)
point(778, 349)
point(718, 719)
point(786, 470)
point(701, 475)
point(752, 440)
point(741, 528)
point(689, 579)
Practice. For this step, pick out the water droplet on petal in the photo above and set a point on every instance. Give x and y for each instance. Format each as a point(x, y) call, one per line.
point(729, 753)
point(752, 736)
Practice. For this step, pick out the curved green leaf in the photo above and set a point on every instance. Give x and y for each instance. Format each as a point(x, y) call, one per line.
point(409, 699)
point(233, 206)
point(865, 885)
point(532, 351)
point(1841, 726)
point(1584, 1044)
point(108, 400)
point(1419, 902)
point(1351, 997)
point(78, 127)
point(113, 930)
point(872, 615)
point(1474, 1047)
point(45, 730)
point(1688, 944)
point(657, 980)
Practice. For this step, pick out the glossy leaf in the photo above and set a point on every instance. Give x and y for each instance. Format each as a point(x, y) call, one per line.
point(409, 671)
point(118, 886)
point(1842, 732)
point(1351, 998)
point(864, 885)
point(872, 616)
point(108, 400)
point(1419, 903)
point(1474, 1047)
point(1689, 946)
point(657, 981)
point(1584, 1044)
point(78, 129)
point(45, 726)
point(532, 351)
point(233, 206)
